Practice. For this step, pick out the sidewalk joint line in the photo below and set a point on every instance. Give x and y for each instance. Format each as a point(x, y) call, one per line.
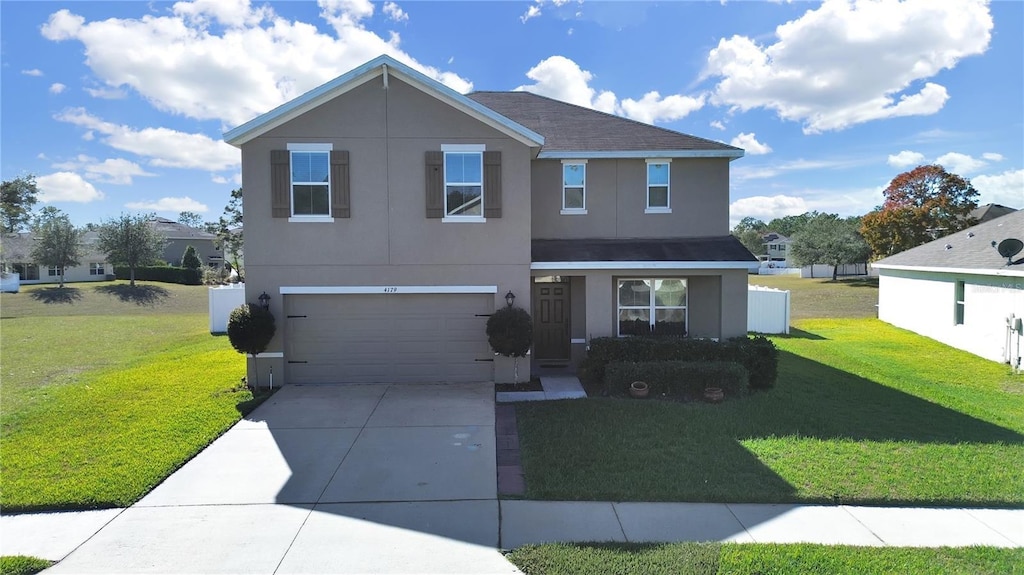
point(619, 521)
point(294, 537)
point(743, 525)
point(354, 441)
point(846, 508)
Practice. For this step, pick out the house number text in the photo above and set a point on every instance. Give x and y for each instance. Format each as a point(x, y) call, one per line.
point(390, 290)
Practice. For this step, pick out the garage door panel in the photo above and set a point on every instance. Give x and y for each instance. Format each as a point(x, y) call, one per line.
point(388, 338)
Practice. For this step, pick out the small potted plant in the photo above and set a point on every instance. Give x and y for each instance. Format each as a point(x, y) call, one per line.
point(714, 395)
point(639, 389)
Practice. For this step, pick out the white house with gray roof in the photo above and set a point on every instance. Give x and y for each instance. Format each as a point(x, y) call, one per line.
point(959, 290)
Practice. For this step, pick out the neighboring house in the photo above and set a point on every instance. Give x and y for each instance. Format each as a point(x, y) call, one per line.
point(179, 237)
point(387, 216)
point(989, 212)
point(959, 290)
point(16, 250)
point(777, 249)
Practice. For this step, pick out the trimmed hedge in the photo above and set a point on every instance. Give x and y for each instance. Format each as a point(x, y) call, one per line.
point(168, 274)
point(686, 379)
point(757, 354)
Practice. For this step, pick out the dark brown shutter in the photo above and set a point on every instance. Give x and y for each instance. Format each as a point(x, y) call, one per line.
point(280, 184)
point(340, 207)
point(492, 184)
point(435, 184)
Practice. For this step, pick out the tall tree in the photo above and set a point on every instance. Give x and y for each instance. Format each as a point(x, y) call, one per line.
point(748, 231)
point(191, 219)
point(750, 223)
point(229, 229)
point(827, 239)
point(790, 225)
point(17, 197)
point(57, 243)
point(920, 205)
point(131, 241)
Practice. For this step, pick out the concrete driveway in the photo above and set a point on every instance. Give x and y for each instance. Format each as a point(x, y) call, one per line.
point(325, 479)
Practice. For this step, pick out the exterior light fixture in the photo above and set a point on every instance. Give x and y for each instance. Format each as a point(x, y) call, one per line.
point(264, 301)
point(510, 298)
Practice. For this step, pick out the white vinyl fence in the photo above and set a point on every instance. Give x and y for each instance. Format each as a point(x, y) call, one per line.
point(223, 299)
point(767, 310)
point(10, 282)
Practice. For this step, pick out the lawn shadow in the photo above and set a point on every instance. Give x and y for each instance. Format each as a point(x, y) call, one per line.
point(51, 295)
point(139, 295)
point(795, 333)
point(828, 403)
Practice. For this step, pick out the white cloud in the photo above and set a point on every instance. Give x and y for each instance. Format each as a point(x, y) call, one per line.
point(560, 78)
point(906, 158)
point(185, 204)
point(717, 125)
point(846, 63)
point(395, 13)
point(111, 171)
point(766, 208)
point(749, 143)
point(252, 62)
point(164, 147)
point(961, 164)
point(33, 72)
point(531, 12)
point(89, 136)
point(57, 88)
point(1006, 188)
point(66, 187)
point(993, 157)
point(107, 93)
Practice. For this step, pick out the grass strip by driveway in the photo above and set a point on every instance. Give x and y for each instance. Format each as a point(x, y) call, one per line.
point(862, 413)
point(108, 390)
point(759, 559)
point(22, 565)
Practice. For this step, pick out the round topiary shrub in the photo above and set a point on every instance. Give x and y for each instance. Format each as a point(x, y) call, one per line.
point(510, 332)
point(250, 328)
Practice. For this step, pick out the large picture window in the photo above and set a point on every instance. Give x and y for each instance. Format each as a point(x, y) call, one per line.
point(463, 183)
point(652, 306)
point(311, 185)
point(574, 187)
point(658, 191)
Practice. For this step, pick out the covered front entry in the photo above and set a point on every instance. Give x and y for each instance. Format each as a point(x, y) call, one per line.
point(387, 338)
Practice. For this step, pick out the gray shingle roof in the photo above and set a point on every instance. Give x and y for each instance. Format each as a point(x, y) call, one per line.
point(705, 249)
point(17, 248)
point(571, 128)
point(990, 211)
point(173, 230)
point(968, 249)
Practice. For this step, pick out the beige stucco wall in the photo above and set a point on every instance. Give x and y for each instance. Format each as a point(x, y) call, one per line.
point(388, 240)
point(616, 193)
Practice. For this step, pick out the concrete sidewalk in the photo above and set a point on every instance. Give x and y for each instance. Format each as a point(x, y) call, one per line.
point(390, 537)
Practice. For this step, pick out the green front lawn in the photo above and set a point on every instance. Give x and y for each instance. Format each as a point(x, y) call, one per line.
point(759, 559)
point(22, 565)
point(862, 413)
point(106, 391)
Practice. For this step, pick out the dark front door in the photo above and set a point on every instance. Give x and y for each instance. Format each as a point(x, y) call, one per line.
point(551, 321)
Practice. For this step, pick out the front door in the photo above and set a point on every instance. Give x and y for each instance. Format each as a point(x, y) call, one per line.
point(551, 321)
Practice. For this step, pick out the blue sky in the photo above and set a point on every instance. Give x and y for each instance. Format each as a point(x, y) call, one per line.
point(120, 106)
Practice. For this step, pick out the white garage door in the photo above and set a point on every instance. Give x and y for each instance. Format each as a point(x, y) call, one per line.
point(395, 338)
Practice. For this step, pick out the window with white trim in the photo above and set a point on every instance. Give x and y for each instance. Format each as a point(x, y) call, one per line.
point(659, 194)
point(54, 271)
point(574, 187)
point(27, 271)
point(96, 269)
point(463, 181)
point(310, 179)
point(652, 306)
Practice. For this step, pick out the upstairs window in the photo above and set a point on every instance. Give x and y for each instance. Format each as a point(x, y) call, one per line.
point(574, 187)
point(311, 181)
point(463, 181)
point(658, 191)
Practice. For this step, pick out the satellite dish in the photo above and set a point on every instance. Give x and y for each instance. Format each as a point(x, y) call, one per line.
point(1009, 248)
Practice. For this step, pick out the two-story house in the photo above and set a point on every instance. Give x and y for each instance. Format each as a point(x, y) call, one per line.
point(387, 216)
point(777, 249)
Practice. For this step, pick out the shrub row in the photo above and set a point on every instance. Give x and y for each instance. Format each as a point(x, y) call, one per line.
point(678, 378)
point(169, 274)
point(757, 354)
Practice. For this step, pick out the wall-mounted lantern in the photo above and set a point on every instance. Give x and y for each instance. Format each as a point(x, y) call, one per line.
point(264, 301)
point(510, 298)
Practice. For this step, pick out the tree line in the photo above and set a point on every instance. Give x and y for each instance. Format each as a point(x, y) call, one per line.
point(920, 205)
point(127, 240)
